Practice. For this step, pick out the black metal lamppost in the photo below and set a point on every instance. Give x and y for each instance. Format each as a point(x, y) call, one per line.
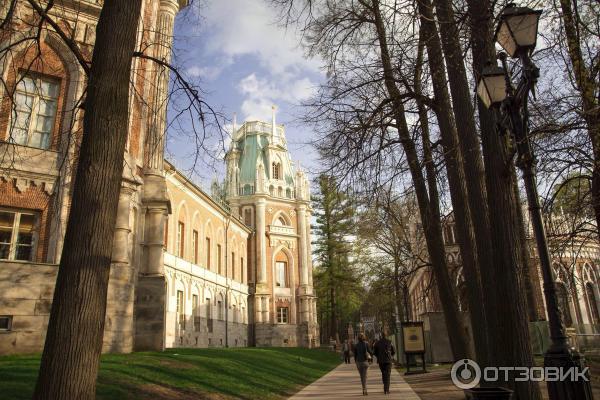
point(517, 35)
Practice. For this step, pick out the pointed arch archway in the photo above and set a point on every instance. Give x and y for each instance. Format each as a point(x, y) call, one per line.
point(284, 274)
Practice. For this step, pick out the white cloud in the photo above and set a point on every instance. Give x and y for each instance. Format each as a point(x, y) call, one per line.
point(261, 93)
point(243, 35)
point(242, 27)
point(206, 73)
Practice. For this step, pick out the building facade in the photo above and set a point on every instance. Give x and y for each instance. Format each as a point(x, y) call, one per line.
point(183, 266)
point(273, 198)
point(576, 265)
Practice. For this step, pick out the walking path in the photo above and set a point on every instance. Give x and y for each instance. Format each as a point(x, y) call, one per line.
point(344, 382)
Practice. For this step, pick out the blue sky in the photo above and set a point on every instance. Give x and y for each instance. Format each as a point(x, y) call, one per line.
point(245, 63)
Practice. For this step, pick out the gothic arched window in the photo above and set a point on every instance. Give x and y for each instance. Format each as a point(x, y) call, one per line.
point(591, 297)
point(276, 170)
point(281, 274)
point(563, 303)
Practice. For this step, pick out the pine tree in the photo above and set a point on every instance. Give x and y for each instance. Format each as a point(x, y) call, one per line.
point(335, 274)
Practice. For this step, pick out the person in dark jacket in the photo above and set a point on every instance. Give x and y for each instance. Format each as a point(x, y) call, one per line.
point(384, 351)
point(346, 351)
point(363, 356)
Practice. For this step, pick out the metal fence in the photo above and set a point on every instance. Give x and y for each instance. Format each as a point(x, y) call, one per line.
point(584, 337)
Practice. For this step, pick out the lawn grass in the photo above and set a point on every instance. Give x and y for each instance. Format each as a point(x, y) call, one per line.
point(242, 373)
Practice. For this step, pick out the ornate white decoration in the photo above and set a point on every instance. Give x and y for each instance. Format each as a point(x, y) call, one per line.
point(274, 242)
point(23, 183)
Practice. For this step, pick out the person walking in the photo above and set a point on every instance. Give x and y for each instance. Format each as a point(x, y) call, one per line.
point(384, 351)
point(346, 350)
point(363, 356)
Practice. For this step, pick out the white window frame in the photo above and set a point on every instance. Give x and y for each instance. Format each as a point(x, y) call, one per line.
point(196, 312)
point(196, 255)
point(180, 239)
point(250, 212)
point(242, 272)
point(15, 233)
point(233, 265)
point(278, 273)
point(34, 112)
point(283, 317)
point(180, 309)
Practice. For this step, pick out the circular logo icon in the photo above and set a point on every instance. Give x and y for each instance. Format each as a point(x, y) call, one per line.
point(465, 374)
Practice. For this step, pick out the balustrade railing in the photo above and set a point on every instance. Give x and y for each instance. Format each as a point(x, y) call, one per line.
point(285, 230)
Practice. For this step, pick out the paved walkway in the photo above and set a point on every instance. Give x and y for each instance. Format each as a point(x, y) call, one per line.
point(344, 383)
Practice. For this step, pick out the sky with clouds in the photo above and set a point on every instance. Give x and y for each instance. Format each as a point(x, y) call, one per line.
point(246, 63)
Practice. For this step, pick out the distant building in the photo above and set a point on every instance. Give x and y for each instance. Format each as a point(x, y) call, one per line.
point(187, 270)
point(576, 261)
point(273, 198)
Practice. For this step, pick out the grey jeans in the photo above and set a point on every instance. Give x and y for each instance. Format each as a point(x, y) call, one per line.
point(362, 370)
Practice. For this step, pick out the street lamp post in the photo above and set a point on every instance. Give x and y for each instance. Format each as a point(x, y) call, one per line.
point(516, 34)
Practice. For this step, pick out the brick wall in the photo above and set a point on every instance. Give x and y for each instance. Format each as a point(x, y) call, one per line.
point(46, 63)
point(33, 199)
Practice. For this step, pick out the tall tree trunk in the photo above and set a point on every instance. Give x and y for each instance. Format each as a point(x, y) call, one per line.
point(407, 313)
point(431, 223)
point(71, 357)
point(334, 321)
point(588, 90)
point(398, 293)
point(464, 115)
point(512, 331)
point(456, 177)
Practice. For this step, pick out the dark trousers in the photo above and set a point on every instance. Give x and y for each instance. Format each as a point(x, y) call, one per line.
point(347, 357)
point(386, 370)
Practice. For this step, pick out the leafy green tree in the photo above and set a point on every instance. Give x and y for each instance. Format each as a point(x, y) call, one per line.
point(337, 282)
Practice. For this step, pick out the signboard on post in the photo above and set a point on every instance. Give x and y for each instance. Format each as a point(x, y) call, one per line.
point(413, 338)
point(413, 335)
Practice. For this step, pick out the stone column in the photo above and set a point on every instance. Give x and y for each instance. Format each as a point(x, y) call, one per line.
point(302, 251)
point(156, 217)
point(120, 253)
point(258, 300)
point(163, 41)
point(303, 301)
point(309, 266)
point(155, 188)
point(293, 311)
point(261, 257)
point(265, 309)
point(119, 320)
point(150, 332)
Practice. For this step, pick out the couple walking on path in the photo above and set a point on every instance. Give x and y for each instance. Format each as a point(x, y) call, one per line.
point(363, 355)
